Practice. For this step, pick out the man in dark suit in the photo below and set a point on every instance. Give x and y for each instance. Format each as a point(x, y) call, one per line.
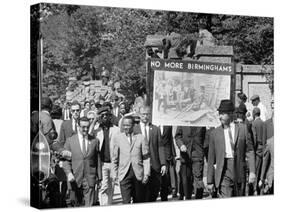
point(259, 134)
point(84, 169)
point(190, 141)
point(131, 162)
point(267, 172)
point(229, 146)
point(69, 127)
point(168, 181)
point(157, 153)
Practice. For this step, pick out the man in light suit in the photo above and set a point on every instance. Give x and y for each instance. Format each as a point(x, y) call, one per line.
point(131, 162)
point(104, 132)
point(158, 161)
point(229, 146)
point(84, 169)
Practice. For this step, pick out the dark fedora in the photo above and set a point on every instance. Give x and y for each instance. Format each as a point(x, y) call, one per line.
point(103, 110)
point(226, 105)
point(242, 96)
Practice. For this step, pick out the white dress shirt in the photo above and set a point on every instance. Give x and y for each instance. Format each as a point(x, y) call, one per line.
point(228, 149)
point(264, 113)
point(144, 127)
point(73, 124)
point(161, 129)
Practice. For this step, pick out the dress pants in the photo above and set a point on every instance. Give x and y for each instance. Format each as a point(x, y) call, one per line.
point(192, 177)
point(85, 194)
point(168, 181)
point(228, 186)
point(131, 188)
point(179, 180)
point(152, 187)
point(258, 174)
point(107, 185)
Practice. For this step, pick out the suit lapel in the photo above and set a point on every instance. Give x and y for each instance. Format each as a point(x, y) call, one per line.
point(236, 131)
point(150, 133)
point(133, 141)
point(100, 136)
point(221, 139)
point(76, 144)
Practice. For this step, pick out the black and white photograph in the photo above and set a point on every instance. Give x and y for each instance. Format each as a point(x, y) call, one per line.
point(132, 106)
point(190, 98)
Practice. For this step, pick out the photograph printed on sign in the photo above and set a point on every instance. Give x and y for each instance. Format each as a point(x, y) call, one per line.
point(188, 99)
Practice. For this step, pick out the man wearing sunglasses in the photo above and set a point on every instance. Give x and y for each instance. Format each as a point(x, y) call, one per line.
point(104, 131)
point(70, 127)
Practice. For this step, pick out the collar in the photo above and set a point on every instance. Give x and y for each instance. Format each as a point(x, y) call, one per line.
point(80, 136)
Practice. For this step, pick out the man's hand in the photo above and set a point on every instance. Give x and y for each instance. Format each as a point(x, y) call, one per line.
point(210, 188)
point(163, 170)
point(145, 179)
point(66, 154)
point(70, 177)
point(99, 184)
point(252, 177)
point(183, 148)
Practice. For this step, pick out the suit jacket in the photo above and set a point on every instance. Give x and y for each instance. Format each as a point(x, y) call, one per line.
point(66, 131)
point(83, 166)
point(244, 147)
point(135, 154)
point(156, 148)
point(269, 128)
point(267, 171)
point(167, 142)
point(259, 135)
point(193, 138)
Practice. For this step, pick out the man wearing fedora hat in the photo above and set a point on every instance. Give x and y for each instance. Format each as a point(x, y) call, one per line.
point(257, 103)
point(104, 130)
point(229, 146)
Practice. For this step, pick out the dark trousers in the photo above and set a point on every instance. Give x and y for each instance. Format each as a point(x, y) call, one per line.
point(192, 177)
point(131, 188)
point(85, 194)
point(168, 182)
point(228, 186)
point(258, 173)
point(152, 187)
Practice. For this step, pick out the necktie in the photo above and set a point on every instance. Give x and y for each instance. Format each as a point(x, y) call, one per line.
point(130, 139)
point(145, 133)
point(231, 140)
point(84, 146)
point(75, 127)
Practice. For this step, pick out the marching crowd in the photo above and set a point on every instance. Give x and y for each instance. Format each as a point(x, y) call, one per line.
point(109, 143)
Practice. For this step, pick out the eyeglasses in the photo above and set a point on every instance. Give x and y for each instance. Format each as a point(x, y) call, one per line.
point(75, 110)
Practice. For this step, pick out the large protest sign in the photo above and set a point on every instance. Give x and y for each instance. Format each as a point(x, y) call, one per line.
point(188, 93)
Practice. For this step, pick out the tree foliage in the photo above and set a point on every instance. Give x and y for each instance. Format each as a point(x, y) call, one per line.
point(78, 39)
